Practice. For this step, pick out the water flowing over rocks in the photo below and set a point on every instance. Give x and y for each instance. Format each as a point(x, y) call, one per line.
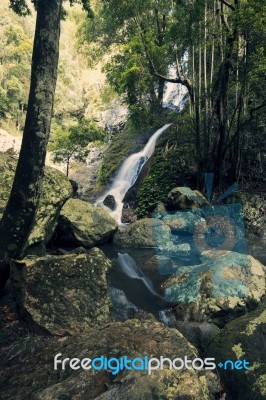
point(203, 294)
point(63, 295)
point(133, 338)
point(128, 174)
point(82, 224)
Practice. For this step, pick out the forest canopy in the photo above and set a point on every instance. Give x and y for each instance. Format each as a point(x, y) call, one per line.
point(217, 51)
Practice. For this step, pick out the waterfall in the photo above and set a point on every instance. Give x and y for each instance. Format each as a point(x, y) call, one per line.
point(174, 94)
point(128, 174)
point(167, 317)
point(130, 268)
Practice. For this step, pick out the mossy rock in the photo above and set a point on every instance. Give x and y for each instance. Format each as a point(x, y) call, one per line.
point(82, 224)
point(182, 198)
point(29, 372)
point(254, 212)
point(243, 338)
point(146, 232)
point(62, 294)
point(225, 286)
point(182, 222)
point(56, 189)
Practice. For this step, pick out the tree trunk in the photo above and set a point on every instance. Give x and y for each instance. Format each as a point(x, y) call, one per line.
point(160, 92)
point(18, 218)
point(67, 166)
point(222, 99)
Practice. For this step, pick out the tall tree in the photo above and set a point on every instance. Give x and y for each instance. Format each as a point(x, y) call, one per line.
point(19, 214)
point(218, 50)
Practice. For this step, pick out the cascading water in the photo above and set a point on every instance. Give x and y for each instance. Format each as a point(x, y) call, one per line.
point(129, 267)
point(128, 174)
point(129, 288)
point(167, 317)
point(174, 95)
point(124, 308)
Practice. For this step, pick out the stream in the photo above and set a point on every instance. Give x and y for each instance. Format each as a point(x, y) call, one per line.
point(134, 281)
point(131, 288)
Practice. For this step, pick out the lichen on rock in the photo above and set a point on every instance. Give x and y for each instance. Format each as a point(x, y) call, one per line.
point(82, 224)
point(62, 294)
point(243, 338)
point(56, 189)
point(239, 286)
point(133, 338)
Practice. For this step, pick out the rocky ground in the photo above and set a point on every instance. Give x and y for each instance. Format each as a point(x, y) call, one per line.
point(60, 303)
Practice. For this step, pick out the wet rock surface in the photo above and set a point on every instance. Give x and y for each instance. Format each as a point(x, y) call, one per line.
point(128, 215)
point(110, 202)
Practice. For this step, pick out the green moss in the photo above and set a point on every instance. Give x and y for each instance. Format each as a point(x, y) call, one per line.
point(243, 338)
point(237, 349)
point(261, 384)
point(173, 158)
point(130, 140)
point(122, 144)
point(250, 328)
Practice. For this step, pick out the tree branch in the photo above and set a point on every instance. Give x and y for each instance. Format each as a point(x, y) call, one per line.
point(224, 22)
point(181, 80)
point(246, 122)
point(228, 5)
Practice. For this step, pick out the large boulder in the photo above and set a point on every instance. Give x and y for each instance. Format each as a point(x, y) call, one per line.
point(62, 294)
point(254, 212)
point(181, 198)
point(56, 190)
point(29, 372)
point(146, 232)
point(182, 222)
point(218, 292)
point(82, 224)
point(245, 339)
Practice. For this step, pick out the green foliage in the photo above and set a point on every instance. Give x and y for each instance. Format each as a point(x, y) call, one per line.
point(170, 166)
point(71, 145)
point(127, 29)
point(22, 8)
point(221, 52)
point(16, 40)
point(15, 56)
